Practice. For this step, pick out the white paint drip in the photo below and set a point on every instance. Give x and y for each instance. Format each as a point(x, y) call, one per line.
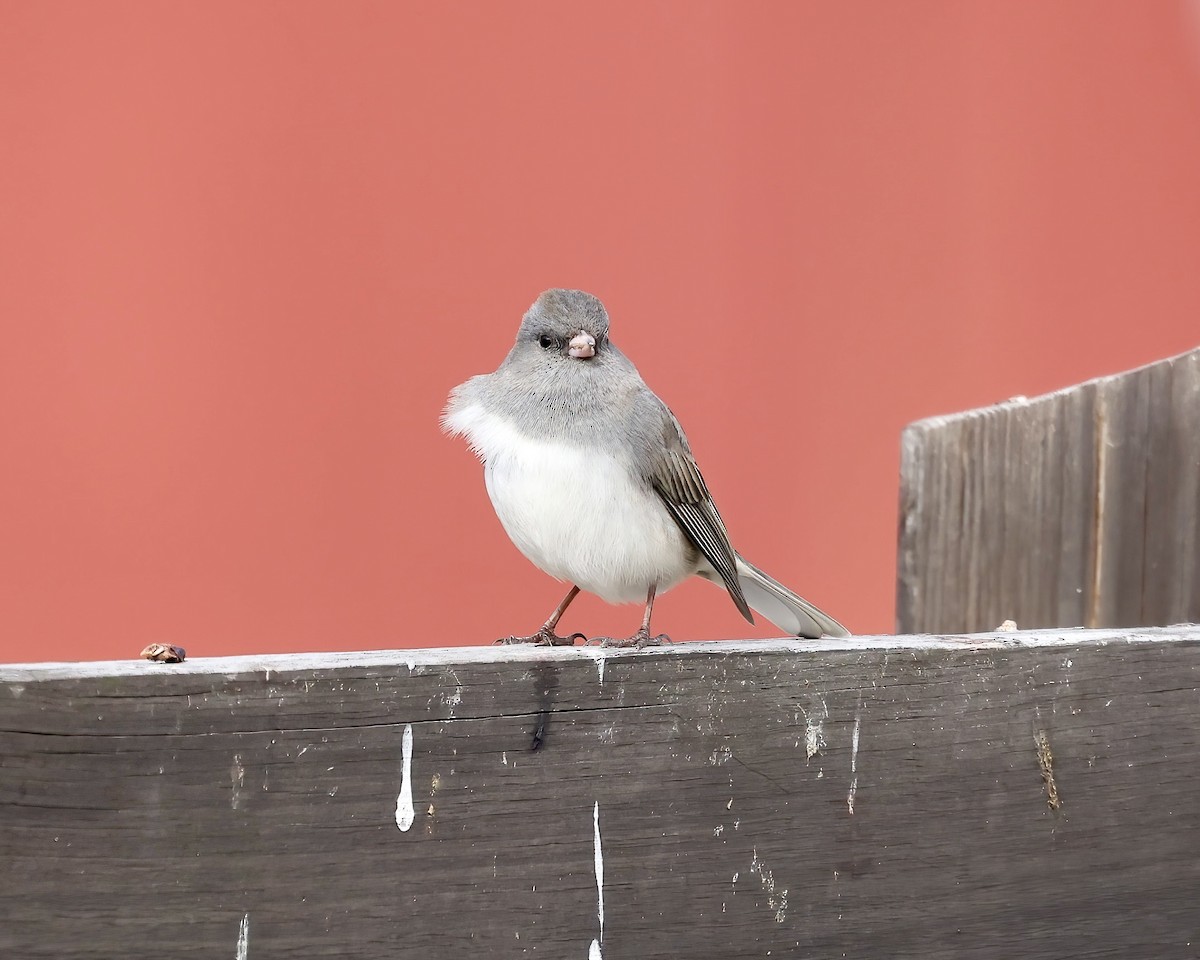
point(854, 764)
point(243, 944)
point(599, 655)
point(594, 950)
point(404, 802)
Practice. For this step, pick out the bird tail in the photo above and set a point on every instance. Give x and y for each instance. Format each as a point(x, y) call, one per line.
point(783, 608)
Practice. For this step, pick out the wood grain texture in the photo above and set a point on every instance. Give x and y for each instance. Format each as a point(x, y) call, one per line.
point(1080, 508)
point(873, 797)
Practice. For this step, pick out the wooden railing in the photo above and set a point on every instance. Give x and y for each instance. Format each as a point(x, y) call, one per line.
point(1004, 795)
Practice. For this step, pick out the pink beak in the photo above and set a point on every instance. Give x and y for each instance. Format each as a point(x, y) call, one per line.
point(582, 346)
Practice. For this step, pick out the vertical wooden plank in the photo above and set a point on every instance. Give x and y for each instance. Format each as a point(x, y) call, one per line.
point(1123, 426)
point(1072, 473)
point(917, 575)
point(1173, 493)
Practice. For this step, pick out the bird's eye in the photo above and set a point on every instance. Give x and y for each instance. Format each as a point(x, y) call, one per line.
point(545, 341)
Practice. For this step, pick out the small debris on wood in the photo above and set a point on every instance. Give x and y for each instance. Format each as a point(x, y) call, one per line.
point(164, 653)
point(1008, 626)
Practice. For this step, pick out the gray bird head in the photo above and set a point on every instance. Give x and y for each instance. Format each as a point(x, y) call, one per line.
point(563, 377)
point(563, 326)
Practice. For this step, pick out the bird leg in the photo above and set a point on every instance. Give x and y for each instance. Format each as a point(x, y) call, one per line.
point(642, 638)
point(546, 636)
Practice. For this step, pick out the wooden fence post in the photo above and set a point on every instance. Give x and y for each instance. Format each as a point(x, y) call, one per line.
point(1081, 507)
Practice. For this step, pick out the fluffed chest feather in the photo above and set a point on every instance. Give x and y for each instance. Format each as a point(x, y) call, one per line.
point(580, 514)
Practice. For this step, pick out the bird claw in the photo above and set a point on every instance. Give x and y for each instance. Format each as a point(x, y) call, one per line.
point(544, 638)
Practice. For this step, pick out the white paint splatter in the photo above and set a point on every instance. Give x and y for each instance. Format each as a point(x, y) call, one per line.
point(404, 802)
point(814, 736)
point(594, 950)
point(814, 740)
point(243, 944)
point(452, 700)
point(237, 776)
point(854, 764)
point(777, 900)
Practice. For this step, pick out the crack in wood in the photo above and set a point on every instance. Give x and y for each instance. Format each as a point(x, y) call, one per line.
point(175, 735)
point(758, 773)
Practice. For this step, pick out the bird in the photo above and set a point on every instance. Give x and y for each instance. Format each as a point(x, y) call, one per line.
point(594, 481)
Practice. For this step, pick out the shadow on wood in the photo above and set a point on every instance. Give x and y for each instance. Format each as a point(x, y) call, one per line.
point(1079, 508)
point(1026, 795)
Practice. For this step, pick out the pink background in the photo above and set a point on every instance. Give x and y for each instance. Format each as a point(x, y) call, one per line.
point(247, 248)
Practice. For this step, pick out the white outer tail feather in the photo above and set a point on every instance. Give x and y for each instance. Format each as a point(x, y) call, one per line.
point(788, 611)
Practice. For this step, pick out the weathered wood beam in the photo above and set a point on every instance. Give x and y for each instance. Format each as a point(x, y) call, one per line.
point(1079, 508)
point(995, 796)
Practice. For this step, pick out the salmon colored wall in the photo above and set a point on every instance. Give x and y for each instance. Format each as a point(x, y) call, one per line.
point(248, 247)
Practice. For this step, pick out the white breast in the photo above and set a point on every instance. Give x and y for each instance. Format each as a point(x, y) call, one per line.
point(579, 515)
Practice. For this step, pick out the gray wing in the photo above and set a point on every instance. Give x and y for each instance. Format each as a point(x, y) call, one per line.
point(678, 483)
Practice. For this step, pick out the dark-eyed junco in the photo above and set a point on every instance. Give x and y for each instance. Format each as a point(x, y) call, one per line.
point(592, 477)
